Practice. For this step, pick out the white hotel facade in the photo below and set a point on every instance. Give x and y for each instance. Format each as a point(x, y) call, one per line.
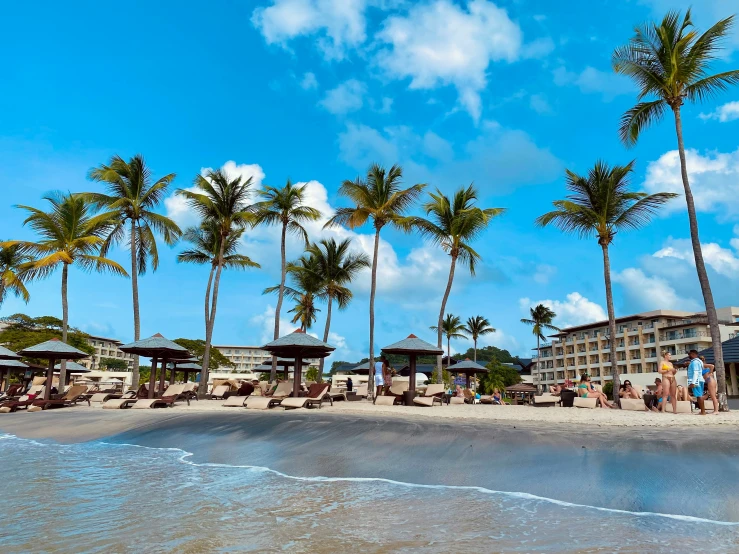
point(247, 358)
point(640, 340)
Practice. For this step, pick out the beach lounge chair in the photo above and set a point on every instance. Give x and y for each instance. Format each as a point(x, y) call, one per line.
point(76, 393)
point(317, 393)
point(433, 393)
point(220, 392)
point(469, 397)
point(683, 407)
point(235, 401)
point(171, 395)
point(261, 402)
point(385, 400)
point(12, 392)
point(398, 389)
point(283, 390)
point(546, 399)
point(33, 394)
point(581, 402)
point(456, 400)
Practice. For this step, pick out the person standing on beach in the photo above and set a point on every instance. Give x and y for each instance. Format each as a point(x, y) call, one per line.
point(695, 379)
point(711, 385)
point(379, 375)
point(669, 384)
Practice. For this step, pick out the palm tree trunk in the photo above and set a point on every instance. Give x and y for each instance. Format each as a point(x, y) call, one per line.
point(278, 309)
point(135, 292)
point(441, 314)
point(538, 363)
point(330, 302)
point(475, 341)
point(203, 388)
point(700, 267)
point(611, 322)
point(207, 295)
point(65, 323)
point(373, 286)
point(448, 356)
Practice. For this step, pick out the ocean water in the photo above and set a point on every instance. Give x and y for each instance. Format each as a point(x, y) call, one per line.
point(120, 497)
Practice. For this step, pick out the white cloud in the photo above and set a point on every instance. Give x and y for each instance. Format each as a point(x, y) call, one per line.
point(544, 273)
point(345, 98)
point(264, 323)
point(540, 104)
point(387, 105)
point(714, 180)
point(442, 43)
point(576, 310)
point(651, 292)
point(727, 112)
point(309, 81)
point(178, 208)
point(594, 81)
point(722, 260)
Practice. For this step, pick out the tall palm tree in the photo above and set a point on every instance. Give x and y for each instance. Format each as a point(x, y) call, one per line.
point(599, 206)
point(453, 224)
point(670, 64)
point(12, 275)
point(307, 288)
point(540, 321)
point(452, 328)
point(284, 207)
point(477, 327)
point(379, 198)
point(337, 266)
point(69, 235)
point(223, 204)
point(206, 241)
point(305, 311)
point(130, 190)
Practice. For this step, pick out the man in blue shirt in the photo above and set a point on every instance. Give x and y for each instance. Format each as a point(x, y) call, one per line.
point(695, 379)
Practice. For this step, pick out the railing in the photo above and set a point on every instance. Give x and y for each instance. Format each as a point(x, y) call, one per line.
point(680, 336)
point(703, 320)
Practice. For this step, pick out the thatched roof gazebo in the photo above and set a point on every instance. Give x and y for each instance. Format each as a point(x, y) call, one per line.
point(52, 350)
point(468, 368)
point(412, 347)
point(10, 366)
point(185, 366)
point(298, 345)
point(72, 367)
point(158, 349)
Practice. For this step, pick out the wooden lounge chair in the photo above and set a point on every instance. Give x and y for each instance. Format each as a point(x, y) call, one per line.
point(433, 394)
point(12, 392)
point(235, 401)
point(125, 401)
point(261, 402)
point(317, 394)
point(75, 394)
point(24, 401)
point(174, 393)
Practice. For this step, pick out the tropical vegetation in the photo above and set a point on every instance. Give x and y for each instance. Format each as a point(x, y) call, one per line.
point(13, 276)
point(541, 319)
point(451, 328)
point(477, 327)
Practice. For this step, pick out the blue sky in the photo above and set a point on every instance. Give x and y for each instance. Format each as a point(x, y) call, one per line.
point(504, 94)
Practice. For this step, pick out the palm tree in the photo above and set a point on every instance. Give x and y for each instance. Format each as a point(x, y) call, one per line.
point(453, 225)
point(599, 206)
point(308, 287)
point(670, 64)
point(380, 198)
point(206, 241)
point(477, 327)
point(223, 205)
point(285, 207)
point(452, 328)
point(305, 311)
point(69, 235)
point(541, 320)
point(131, 193)
point(337, 266)
point(12, 275)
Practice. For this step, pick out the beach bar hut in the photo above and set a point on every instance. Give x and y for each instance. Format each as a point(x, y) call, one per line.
point(298, 345)
point(10, 366)
point(412, 347)
point(468, 368)
point(52, 350)
point(159, 349)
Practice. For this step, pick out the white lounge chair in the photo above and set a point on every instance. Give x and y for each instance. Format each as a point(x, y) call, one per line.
point(546, 399)
point(220, 391)
point(434, 393)
point(235, 401)
point(261, 402)
point(312, 399)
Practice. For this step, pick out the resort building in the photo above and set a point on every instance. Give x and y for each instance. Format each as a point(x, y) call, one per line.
point(105, 348)
point(247, 358)
point(640, 340)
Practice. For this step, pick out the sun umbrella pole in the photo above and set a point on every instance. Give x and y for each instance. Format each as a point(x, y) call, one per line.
point(172, 371)
point(468, 381)
point(298, 375)
point(412, 376)
point(49, 379)
point(162, 374)
point(152, 378)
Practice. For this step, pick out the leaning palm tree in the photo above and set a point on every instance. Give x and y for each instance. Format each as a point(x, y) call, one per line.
point(69, 235)
point(223, 203)
point(599, 206)
point(131, 192)
point(13, 278)
point(670, 64)
point(284, 207)
point(380, 198)
point(540, 321)
point(453, 224)
point(477, 327)
point(337, 266)
point(206, 241)
point(452, 328)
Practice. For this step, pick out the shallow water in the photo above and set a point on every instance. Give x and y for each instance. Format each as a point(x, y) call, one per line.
point(108, 497)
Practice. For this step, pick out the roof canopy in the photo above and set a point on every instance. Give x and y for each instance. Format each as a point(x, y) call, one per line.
point(157, 347)
point(300, 344)
point(730, 349)
point(412, 345)
point(468, 367)
point(53, 349)
point(6, 354)
point(521, 387)
point(186, 366)
point(13, 365)
point(73, 367)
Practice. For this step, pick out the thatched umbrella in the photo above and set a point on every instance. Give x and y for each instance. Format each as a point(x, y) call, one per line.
point(469, 368)
point(298, 345)
point(412, 347)
point(284, 363)
point(158, 349)
point(187, 367)
point(52, 350)
point(10, 366)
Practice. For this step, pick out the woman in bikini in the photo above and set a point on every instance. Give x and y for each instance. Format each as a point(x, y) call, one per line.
point(586, 390)
point(669, 384)
point(711, 385)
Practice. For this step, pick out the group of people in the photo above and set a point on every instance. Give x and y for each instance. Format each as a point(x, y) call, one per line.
point(383, 376)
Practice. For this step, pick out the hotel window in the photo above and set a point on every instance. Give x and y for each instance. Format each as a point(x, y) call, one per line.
point(690, 333)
